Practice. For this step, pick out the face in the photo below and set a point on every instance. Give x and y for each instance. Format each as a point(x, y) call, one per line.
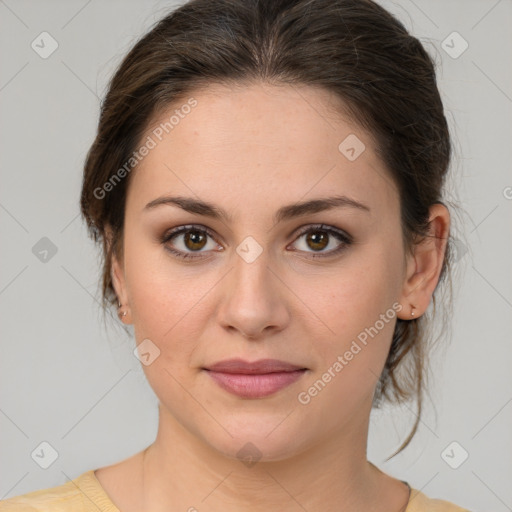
point(317, 287)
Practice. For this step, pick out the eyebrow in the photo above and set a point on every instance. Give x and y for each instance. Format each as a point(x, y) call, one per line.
point(288, 212)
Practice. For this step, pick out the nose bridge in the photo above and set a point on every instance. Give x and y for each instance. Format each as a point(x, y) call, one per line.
point(254, 301)
point(252, 273)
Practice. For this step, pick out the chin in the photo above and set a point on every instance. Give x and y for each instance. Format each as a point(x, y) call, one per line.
point(259, 441)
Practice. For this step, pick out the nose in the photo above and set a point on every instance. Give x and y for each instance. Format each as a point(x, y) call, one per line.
point(254, 299)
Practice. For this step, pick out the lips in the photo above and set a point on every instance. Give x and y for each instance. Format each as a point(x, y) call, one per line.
point(257, 367)
point(254, 379)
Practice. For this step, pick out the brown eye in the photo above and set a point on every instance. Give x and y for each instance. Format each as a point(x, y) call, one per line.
point(186, 240)
point(194, 240)
point(318, 238)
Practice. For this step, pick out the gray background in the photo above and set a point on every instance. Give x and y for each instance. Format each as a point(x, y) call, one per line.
point(67, 381)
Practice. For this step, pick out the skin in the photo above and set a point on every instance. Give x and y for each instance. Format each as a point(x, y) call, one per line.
point(251, 150)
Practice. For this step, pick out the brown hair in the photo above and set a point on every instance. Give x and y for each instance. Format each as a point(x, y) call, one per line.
point(353, 48)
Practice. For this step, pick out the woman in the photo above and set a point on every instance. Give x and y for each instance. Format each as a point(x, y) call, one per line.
point(266, 184)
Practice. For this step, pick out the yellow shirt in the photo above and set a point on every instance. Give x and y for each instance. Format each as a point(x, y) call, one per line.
point(85, 494)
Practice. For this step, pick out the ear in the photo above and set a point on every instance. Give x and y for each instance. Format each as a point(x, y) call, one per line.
point(425, 264)
point(118, 278)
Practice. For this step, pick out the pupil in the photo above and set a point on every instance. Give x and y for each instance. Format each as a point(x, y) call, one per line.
point(195, 237)
point(319, 240)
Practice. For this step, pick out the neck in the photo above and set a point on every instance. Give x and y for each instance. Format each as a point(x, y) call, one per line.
point(182, 472)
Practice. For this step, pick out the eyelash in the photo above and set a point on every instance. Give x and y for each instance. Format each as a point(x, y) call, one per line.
point(339, 235)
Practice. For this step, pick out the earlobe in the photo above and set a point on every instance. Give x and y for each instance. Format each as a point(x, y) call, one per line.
point(117, 275)
point(425, 264)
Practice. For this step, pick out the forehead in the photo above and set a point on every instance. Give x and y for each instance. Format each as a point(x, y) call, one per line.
point(282, 140)
point(251, 115)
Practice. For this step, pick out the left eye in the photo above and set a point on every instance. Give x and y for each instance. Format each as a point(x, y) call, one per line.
point(320, 237)
point(195, 238)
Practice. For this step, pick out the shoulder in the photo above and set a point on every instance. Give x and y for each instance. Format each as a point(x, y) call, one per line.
point(83, 494)
point(419, 502)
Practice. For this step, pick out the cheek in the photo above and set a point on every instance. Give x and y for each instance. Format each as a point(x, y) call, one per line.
point(359, 306)
point(169, 306)
point(350, 360)
point(160, 294)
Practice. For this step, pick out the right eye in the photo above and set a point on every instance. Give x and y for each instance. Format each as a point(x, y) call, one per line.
point(190, 238)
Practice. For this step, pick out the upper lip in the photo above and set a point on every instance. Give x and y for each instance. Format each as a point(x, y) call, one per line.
point(255, 367)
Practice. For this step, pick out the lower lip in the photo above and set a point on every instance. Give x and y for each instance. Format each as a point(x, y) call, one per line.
point(255, 386)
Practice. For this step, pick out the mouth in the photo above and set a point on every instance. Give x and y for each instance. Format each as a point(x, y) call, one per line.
point(256, 379)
